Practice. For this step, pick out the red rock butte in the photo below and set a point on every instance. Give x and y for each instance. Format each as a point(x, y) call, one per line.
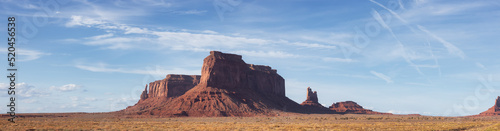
point(227, 87)
point(493, 111)
point(351, 107)
point(312, 99)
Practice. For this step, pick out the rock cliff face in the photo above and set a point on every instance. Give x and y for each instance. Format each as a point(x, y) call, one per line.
point(229, 71)
point(493, 111)
point(172, 86)
point(227, 87)
point(351, 107)
point(312, 99)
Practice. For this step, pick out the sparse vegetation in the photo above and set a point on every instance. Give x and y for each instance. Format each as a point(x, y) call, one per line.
point(289, 122)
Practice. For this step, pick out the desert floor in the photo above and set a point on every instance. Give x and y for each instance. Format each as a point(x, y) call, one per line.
point(85, 121)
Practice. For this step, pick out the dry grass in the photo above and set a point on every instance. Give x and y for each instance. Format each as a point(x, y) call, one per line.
point(292, 122)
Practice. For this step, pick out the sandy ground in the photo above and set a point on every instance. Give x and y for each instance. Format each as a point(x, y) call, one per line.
point(97, 121)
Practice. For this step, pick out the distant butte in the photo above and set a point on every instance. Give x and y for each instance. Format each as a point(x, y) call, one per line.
point(493, 111)
point(228, 86)
point(351, 107)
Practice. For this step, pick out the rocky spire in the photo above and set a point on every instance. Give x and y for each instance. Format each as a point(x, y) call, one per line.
point(312, 99)
point(144, 94)
point(494, 110)
point(312, 96)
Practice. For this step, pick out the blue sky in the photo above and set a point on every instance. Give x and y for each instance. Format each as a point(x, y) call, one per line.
point(416, 56)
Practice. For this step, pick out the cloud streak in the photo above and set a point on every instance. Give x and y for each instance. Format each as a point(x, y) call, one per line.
point(383, 77)
point(452, 49)
point(26, 54)
point(24, 90)
point(66, 88)
point(129, 37)
point(101, 67)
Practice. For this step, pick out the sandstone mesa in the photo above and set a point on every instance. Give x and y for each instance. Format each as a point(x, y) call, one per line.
point(229, 87)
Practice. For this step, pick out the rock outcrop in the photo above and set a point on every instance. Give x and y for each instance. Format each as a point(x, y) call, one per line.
point(493, 111)
point(229, 71)
point(351, 107)
point(172, 85)
point(144, 94)
point(227, 87)
point(312, 99)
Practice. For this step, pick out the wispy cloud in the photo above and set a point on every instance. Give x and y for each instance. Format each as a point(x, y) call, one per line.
point(190, 12)
point(66, 88)
point(452, 49)
point(25, 90)
point(480, 65)
point(98, 37)
point(382, 76)
point(131, 37)
point(268, 54)
point(436, 8)
point(80, 21)
point(102, 67)
point(26, 54)
point(332, 59)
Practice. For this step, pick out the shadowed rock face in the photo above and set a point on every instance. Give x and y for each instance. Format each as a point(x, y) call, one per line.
point(171, 86)
point(312, 99)
point(229, 71)
point(351, 107)
point(493, 111)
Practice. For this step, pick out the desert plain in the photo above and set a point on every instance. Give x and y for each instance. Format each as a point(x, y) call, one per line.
point(292, 121)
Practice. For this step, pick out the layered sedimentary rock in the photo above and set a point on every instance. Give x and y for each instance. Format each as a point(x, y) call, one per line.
point(351, 107)
point(227, 87)
point(312, 99)
point(229, 71)
point(172, 85)
point(493, 111)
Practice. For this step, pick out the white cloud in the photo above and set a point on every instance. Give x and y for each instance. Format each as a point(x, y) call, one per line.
point(120, 42)
point(437, 8)
point(268, 54)
point(177, 40)
point(24, 90)
point(186, 39)
point(101, 67)
point(121, 102)
point(382, 76)
point(82, 21)
point(29, 100)
point(101, 36)
point(190, 12)
point(480, 65)
point(66, 88)
point(402, 112)
point(314, 45)
point(332, 59)
point(25, 54)
point(452, 49)
point(209, 32)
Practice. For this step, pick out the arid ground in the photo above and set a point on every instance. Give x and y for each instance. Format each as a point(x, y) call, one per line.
point(83, 121)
